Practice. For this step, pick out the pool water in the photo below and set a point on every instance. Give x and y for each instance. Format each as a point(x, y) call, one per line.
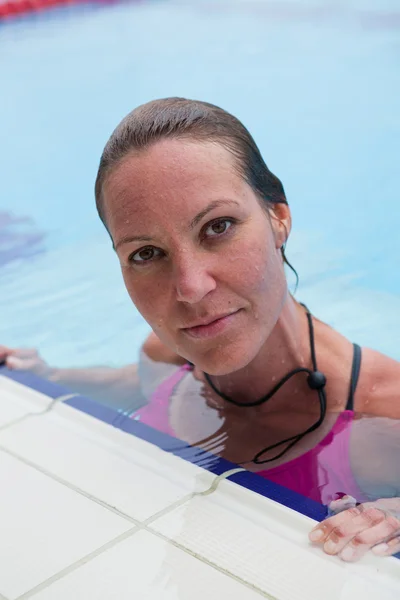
point(317, 84)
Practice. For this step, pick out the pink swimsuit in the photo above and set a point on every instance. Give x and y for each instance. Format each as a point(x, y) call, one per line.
point(323, 473)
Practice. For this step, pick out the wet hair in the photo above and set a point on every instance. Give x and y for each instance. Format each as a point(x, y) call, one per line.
point(179, 118)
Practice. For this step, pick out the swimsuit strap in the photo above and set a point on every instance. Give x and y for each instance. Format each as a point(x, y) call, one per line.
point(355, 375)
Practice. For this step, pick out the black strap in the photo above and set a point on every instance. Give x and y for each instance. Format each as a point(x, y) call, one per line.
point(355, 375)
point(316, 380)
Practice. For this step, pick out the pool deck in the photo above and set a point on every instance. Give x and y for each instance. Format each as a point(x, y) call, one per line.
point(94, 510)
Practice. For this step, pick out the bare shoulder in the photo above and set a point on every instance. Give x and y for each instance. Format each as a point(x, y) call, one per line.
point(159, 352)
point(378, 391)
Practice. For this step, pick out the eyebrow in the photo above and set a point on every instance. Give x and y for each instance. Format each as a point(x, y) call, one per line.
point(209, 208)
point(133, 238)
point(195, 221)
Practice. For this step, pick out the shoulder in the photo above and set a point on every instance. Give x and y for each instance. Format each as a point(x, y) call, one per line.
point(378, 390)
point(159, 352)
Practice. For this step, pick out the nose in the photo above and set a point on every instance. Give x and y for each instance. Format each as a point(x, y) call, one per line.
point(193, 278)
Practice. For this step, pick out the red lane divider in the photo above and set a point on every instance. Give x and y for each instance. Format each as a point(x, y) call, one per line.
point(13, 8)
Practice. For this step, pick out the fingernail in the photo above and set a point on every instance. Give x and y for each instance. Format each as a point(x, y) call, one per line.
point(316, 535)
point(347, 554)
point(380, 549)
point(330, 547)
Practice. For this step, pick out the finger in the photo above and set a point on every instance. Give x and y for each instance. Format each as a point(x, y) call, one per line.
point(344, 525)
point(391, 505)
point(20, 364)
point(363, 542)
point(4, 351)
point(24, 352)
point(322, 531)
point(388, 548)
point(340, 536)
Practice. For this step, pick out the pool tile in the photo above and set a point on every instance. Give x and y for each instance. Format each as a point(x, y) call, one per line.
point(265, 544)
point(45, 526)
point(17, 400)
point(104, 462)
point(148, 568)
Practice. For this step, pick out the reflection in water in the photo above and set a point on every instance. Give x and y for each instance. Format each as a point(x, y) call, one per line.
point(18, 238)
point(350, 454)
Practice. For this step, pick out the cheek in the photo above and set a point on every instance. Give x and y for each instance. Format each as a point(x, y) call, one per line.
point(146, 294)
point(257, 268)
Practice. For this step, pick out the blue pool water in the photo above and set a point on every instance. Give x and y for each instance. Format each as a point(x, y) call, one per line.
point(317, 83)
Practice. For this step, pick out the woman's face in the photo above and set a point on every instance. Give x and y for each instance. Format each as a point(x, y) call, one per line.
point(200, 258)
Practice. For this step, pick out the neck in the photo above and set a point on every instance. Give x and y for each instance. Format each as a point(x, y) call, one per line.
point(287, 348)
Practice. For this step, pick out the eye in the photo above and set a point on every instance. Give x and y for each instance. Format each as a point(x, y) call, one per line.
point(144, 255)
point(218, 227)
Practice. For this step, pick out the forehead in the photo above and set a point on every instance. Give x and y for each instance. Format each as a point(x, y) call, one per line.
point(168, 174)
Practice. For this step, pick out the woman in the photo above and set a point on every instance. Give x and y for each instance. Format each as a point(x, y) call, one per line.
point(200, 224)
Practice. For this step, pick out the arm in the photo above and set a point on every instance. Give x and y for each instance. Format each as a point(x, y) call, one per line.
point(114, 386)
point(118, 386)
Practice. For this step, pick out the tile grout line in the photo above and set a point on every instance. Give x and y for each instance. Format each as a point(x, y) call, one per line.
point(139, 526)
point(187, 498)
point(113, 509)
point(130, 533)
point(145, 526)
point(104, 504)
point(205, 560)
point(13, 422)
point(30, 415)
point(69, 485)
point(107, 546)
point(72, 567)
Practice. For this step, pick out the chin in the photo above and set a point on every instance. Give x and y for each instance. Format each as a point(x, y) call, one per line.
point(218, 363)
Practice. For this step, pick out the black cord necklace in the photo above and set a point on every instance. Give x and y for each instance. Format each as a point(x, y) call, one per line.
point(316, 381)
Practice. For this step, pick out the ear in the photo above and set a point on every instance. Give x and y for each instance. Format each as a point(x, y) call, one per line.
point(281, 222)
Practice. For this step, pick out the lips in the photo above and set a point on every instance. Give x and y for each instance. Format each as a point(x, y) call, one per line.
point(209, 320)
point(211, 326)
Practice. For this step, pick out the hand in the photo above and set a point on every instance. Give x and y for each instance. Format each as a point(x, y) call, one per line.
point(354, 531)
point(25, 359)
